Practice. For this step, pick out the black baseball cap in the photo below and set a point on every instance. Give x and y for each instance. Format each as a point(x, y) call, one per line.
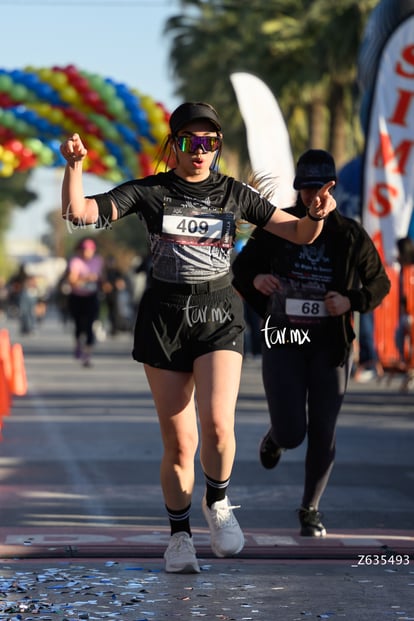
point(314, 168)
point(192, 111)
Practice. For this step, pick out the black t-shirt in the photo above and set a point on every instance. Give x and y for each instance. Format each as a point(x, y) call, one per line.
point(191, 226)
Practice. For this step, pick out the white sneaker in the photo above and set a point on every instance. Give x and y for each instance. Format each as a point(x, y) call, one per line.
point(180, 555)
point(226, 535)
point(364, 376)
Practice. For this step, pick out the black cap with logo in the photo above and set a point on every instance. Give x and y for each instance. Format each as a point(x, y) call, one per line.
point(314, 168)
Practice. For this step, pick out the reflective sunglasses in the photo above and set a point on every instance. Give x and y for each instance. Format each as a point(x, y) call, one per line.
point(190, 144)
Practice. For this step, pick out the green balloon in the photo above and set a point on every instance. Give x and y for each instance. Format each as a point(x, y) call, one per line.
point(8, 119)
point(18, 92)
point(107, 91)
point(116, 108)
point(46, 156)
point(6, 83)
point(35, 145)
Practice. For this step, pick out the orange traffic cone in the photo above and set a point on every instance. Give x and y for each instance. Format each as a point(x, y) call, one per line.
point(19, 379)
point(5, 353)
point(5, 396)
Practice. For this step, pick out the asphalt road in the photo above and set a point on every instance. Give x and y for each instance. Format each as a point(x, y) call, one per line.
point(79, 463)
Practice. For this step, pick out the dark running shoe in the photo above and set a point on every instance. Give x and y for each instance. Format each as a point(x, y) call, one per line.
point(310, 522)
point(269, 453)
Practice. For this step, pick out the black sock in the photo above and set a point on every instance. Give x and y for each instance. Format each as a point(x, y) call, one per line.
point(215, 490)
point(179, 520)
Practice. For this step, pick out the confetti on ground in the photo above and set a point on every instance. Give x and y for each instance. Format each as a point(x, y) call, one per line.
point(226, 590)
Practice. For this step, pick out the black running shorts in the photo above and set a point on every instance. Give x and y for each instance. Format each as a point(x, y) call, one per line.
point(178, 323)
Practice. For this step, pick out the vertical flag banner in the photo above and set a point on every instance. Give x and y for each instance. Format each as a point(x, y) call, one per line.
point(267, 136)
point(388, 170)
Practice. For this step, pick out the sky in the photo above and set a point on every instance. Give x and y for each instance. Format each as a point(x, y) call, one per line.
point(118, 39)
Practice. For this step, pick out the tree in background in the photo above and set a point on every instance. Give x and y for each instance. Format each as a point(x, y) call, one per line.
point(304, 50)
point(125, 241)
point(13, 193)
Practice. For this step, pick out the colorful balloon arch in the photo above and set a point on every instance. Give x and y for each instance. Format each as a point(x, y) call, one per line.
point(39, 107)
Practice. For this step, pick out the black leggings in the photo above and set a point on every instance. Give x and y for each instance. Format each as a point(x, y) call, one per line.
point(305, 394)
point(84, 311)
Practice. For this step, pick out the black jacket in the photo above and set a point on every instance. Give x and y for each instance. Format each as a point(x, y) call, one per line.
point(358, 273)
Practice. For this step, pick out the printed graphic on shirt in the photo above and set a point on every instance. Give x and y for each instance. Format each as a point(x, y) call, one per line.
point(190, 224)
point(299, 301)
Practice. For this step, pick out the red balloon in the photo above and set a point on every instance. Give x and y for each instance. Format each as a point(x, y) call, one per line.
point(80, 84)
point(5, 134)
point(70, 70)
point(5, 101)
point(93, 129)
point(97, 168)
point(92, 98)
point(92, 154)
point(14, 145)
point(145, 164)
point(26, 164)
point(75, 115)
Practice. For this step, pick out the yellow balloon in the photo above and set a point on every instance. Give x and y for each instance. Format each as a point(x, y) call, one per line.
point(9, 158)
point(148, 148)
point(68, 125)
point(44, 74)
point(109, 161)
point(114, 176)
point(159, 132)
point(156, 115)
point(6, 170)
point(70, 95)
point(55, 116)
point(146, 102)
point(97, 145)
point(58, 80)
point(41, 108)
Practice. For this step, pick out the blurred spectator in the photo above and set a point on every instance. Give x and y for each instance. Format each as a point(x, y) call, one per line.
point(405, 251)
point(139, 274)
point(23, 297)
point(118, 298)
point(4, 296)
point(369, 366)
point(348, 194)
point(403, 332)
point(61, 297)
point(403, 340)
point(85, 273)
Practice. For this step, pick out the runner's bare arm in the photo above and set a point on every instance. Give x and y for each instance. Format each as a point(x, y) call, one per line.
point(75, 206)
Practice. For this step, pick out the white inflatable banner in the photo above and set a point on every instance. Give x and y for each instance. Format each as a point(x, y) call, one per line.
point(267, 136)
